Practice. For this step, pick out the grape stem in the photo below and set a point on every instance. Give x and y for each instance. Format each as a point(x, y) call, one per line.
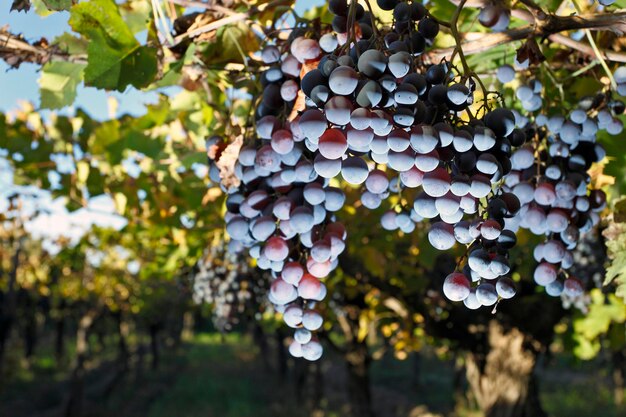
point(457, 38)
point(586, 49)
point(600, 58)
point(350, 34)
point(374, 25)
point(583, 69)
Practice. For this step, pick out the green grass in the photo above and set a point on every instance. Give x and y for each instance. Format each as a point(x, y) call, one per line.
point(224, 377)
point(220, 379)
point(566, 394)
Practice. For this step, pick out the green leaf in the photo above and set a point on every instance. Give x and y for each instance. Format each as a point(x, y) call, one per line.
point(104, 135)
point(197, 157)
point(137, 141)
point(120, 202)
point(615, 236)
point(136, 14)
point(620, 211)
point(233, 44)
point(58, 82)
point(58, 5)
point(585, 86)
point(605, 311)
point(71, 44)
point(115, 59)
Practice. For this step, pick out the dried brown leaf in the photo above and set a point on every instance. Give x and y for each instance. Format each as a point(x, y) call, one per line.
point(530, 51)
point(226, 163)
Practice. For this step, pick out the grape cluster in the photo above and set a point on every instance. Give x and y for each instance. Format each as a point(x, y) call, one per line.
point(283, 210)
point(590, 258)
point(222, 279)
point(550, 178)
point(360, 103)
point(380, 101)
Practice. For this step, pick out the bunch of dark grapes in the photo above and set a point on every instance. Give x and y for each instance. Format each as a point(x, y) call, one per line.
point(550, 178)
point(224, 281)
point(375, 108)
point(590, 258)
point(283, 210)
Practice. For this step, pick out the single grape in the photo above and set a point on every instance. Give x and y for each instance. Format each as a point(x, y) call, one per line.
point(456, 287)
point(486, 294)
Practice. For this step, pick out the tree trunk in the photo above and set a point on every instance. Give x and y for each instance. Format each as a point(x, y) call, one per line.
point(502, 378)
point(416, 366)
point(188, 326)
point(281, 357)
point(7, 307)
point(154, 345)
point(59, 340)
point(301, 369)
point(359, 394)
point(459, 386)
point(318, 387)
point(260, 340)
point(30, 337)
point(122, 346)
point(123, 355)
point(30, 325)
point(619, 368)
point(74, 404)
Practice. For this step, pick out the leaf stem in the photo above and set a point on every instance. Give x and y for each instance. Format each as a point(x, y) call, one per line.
point(596, 50)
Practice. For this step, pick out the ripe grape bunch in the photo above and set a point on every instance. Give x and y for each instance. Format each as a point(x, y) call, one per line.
point(550, 178)
point(358, 101)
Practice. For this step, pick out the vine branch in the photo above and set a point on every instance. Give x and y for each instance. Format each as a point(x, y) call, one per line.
point(15, 50)
point(542, 29)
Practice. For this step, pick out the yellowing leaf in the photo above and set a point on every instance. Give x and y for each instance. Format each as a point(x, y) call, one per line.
point(82, 171)
point(120, 202)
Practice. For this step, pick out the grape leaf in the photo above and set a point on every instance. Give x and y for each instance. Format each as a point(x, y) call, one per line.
point(233, 44)
point(70, 44)
point(604, 311)
point(58, 5)
point(58, 82)
point(136, 14)
point(115, 59)
point(615, 236)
